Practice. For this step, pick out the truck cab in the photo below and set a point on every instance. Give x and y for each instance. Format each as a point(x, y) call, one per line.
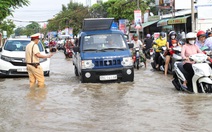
point(102, 54)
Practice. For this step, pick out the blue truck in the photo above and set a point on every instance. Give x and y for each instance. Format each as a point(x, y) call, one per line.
point(102, 53)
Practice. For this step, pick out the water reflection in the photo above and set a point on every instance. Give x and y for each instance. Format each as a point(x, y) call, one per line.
point(37, 93)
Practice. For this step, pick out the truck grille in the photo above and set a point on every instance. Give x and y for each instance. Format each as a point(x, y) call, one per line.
point(106, 63)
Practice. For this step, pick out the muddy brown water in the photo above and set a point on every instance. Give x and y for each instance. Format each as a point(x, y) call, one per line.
point(148, 104)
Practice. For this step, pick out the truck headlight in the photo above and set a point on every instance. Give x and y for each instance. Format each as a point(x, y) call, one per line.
point(87, 64)
point(127, 61)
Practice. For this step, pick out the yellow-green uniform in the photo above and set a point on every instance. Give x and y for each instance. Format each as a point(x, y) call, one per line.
point(35, 72)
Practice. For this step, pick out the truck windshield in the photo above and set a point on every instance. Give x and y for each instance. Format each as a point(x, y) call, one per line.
point(103, 42)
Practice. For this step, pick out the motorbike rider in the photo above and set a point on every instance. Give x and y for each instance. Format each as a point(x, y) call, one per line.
point(172, 42)
point(187, 50)
point(68, 44)
point(160, 42)
point(201, 36)
point(147, 45)
point(208, 41)
point(138, 43)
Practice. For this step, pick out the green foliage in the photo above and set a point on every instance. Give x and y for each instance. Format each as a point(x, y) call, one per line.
point(6, 7)
point(71, 15)
point(7, 26)
point(30, 29)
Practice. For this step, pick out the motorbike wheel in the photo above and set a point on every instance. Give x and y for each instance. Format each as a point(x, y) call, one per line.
point(206, 87)
point(137, 64)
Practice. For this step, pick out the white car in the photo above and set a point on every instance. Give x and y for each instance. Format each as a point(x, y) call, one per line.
point(12, 58)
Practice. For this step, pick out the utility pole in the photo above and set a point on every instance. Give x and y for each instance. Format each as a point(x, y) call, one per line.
point(137, 31)
point(192, 16)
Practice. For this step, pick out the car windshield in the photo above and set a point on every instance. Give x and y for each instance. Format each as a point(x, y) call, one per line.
point(103, 42)
point(19, 45)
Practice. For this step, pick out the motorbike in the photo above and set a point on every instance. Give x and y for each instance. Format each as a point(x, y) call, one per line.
point(68, 53)
point(149, 53)
point(176, 57)
point(201, 81)
point(161, 58)
point(136, 58)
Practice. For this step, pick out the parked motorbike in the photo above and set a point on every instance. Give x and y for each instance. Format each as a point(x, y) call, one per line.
point(136, 58)
point(201, 81)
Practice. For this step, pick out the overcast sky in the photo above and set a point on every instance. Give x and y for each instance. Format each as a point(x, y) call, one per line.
point(38, 10)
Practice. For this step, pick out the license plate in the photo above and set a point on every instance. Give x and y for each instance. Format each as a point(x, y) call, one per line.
point(108, 77)
point(21, 70)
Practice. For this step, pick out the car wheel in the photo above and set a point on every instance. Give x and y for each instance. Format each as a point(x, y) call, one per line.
point(47, 73)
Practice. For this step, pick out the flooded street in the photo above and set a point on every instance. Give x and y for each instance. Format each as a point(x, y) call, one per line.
point(148, 104)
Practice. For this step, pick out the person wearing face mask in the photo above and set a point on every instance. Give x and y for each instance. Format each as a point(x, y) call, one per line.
point(187, 50)
point(201, 36)
point(172, 42)
point(160, 42)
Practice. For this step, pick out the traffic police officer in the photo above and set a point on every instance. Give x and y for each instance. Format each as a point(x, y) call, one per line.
point(34, 69)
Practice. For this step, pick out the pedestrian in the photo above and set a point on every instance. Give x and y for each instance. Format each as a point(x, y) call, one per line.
point(34, 69)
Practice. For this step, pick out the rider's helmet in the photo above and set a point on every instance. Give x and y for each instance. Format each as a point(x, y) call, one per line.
point(148, 35)
point(162, 35)
point(190, 36)
point(172, 35)
point(201, 34)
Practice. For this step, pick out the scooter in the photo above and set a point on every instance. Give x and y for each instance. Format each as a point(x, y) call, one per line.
point(176, 57)
point(161, 58)
point(68, 53)
point(149, 53)
point(136, 58)
point(201, 81)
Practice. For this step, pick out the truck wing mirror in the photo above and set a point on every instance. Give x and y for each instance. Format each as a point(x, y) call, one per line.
point(76, 49)
point(131, 45)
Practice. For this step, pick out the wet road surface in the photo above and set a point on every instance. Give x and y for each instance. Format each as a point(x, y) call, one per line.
point(148, 104)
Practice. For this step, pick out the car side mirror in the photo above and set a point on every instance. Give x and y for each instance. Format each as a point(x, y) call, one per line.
point(76, 49)
point(131, 45)
point(1, 49)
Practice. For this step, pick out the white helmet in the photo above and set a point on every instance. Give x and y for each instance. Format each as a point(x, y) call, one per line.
point(190, 35)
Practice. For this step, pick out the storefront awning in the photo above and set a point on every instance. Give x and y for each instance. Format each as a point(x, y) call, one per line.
point(178, 20)
point(146, 24)
point(162, 22)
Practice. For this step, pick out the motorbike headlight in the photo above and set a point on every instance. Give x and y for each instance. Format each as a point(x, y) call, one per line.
point(5, 58)
point(127, 61)
point(87, 64)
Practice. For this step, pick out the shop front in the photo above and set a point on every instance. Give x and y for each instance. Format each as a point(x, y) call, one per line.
point(181, 23)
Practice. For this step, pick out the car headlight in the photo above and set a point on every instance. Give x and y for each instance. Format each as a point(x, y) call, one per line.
point(5, 58)
point(127, 61)
point(87, 64)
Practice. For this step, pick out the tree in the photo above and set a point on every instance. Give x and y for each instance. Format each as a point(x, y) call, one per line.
point(32, 28)
point(7, 26)
point(71, 15)
point(6, 7)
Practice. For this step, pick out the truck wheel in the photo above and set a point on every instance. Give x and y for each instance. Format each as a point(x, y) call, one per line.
point(82, 79)
point(76, 71)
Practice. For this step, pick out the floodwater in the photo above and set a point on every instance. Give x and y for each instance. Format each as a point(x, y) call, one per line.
point(148, 104)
